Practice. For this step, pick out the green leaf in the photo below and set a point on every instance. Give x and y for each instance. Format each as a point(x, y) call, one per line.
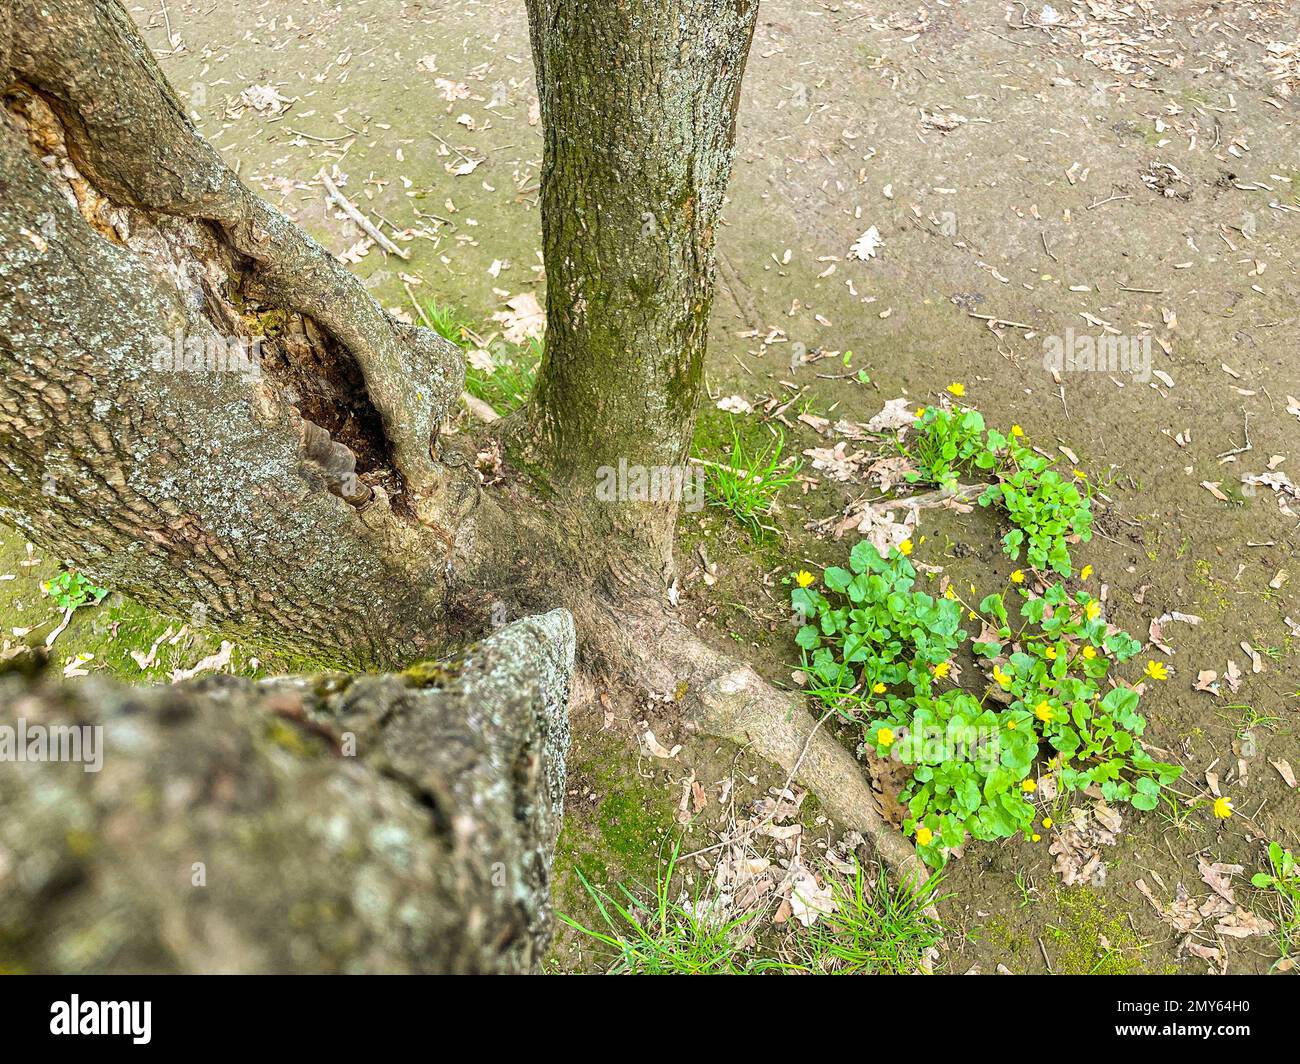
point(837, 579)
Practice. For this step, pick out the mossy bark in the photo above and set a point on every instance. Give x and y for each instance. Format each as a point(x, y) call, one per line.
point(639, 101)
point(398, 823)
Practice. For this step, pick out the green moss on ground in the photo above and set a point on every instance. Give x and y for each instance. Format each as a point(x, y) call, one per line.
point(1089, 938)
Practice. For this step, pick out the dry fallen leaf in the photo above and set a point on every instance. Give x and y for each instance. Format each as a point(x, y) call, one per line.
point(524, 318)
point(1243, 924)
point(219, 660)
point(654, 747)
point(735, 404)
point(1218, 876)
point(808, 901)
point(894, 415)
point(866, 246)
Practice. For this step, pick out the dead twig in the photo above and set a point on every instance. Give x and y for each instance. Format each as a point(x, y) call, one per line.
point(367, 226)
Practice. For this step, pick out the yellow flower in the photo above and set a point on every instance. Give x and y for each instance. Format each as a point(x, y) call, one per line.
point(1223, 808)
point(1156, 670)
point(1047, 821)
point(878, 688)
point(905, 548)
point(957, 389)
point(1029, 786)
point(1081, 474)
point(1092, 611)
point(1000, 676)
point(1085, 572)
point(1051, 653)
point(1043, 711)
point(1011, 725)
point(941, 670)
point(972, 615)
point(949, 593)
point(924, 836)
point(1017, 431)
point(1018, 577)
point(1035, 837)
point(920, 412)
point(804, 578)
point(885, 737)
point(1090, 652)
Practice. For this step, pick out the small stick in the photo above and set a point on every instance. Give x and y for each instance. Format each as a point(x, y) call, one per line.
point(1245, 431)
point(418, 309)
point(1108, 199)
point(323, 140)
point(1000, 321)
point(452, 147)
point(367, 226)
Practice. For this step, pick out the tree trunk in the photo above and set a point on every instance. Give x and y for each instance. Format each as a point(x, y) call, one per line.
point(399, 823)
point(638, 102)
point(293, 496)
point(305, 501)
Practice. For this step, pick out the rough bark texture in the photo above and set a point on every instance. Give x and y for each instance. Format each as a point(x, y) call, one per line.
point(394, 823)
point(638, 103)
point(297, 504)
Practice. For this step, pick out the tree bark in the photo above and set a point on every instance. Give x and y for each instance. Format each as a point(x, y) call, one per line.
point(295, 499)
point(398, 823)
point(638, 101)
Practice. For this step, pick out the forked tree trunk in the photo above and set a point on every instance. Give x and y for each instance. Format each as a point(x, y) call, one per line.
point(312, 506)
point(400, 823)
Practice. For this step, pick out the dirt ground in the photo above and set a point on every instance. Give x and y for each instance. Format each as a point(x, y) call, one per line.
point(1100, 169)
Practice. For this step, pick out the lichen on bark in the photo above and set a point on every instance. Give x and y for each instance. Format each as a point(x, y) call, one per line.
point(299, 824)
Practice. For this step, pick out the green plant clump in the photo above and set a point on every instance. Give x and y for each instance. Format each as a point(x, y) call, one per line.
point(70, 590)
point(877, 631)
point(670, 936)
point(875, 927)
point(1044, 506)
point(748, 484)
point(1283, 878)
point(886, 647)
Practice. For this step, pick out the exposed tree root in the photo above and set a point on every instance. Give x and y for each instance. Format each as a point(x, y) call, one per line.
point(728, 699)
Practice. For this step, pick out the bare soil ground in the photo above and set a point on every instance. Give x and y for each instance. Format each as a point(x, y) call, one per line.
point(1100, 169)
